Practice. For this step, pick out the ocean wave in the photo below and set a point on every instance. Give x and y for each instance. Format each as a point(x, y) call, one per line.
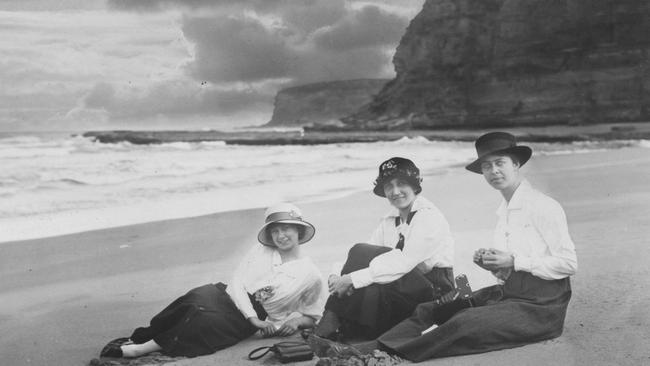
point(71, 179)
point(583, 147)
point(23, 152)
point(643, 143)
point(65, 182)
point(20, 140)
point(412, 140)
point(211, 144)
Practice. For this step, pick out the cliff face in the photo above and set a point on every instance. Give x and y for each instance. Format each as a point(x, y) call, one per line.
point(503, 62)
point(323, 103)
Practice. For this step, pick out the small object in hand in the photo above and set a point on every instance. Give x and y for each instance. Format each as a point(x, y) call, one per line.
point(483, 252)
point(463, 288)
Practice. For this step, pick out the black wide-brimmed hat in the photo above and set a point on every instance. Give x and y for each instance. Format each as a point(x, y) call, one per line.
point(497, 143)
point(397, 168)
point(284, 213)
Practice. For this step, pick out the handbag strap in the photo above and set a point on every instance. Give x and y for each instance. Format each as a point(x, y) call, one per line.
point(252, 356)
point(255, 355)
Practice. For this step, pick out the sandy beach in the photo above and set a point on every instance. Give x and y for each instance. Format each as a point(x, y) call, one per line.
point(63, 298)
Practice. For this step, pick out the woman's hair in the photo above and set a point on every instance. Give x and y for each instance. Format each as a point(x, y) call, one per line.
point(301, 229)
point(514, 158)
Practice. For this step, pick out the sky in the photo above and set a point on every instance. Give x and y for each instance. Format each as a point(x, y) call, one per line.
point(73, 65)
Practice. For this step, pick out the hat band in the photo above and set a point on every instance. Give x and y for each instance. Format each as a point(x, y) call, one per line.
point(486, 149)
point(278, 216)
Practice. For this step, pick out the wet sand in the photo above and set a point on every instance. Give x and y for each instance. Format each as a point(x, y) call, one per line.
point(63, 298)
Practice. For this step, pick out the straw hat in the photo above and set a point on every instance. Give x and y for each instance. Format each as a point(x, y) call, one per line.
point(498, 143)
point(285, 213)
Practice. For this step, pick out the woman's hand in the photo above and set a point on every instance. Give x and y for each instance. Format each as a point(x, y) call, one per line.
point(496, 259)
point(341, 286)
point(478, 258)
point(289, 327)
point(266, 328)
point(332, 279)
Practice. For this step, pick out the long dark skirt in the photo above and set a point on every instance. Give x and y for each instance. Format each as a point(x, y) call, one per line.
point(372, 310)
point(525, 309)
point(200, 322)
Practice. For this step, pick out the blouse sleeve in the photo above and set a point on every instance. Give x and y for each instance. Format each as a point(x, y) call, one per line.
point(236, 287)
point(550, 221)
point(429, 233)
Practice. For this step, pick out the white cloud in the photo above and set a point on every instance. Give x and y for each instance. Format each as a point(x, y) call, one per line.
point(198, 60)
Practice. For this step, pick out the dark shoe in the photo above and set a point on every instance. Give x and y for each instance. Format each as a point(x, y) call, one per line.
point(366, 347)
point(323, 347)
point(112, 349)
point(329, 325)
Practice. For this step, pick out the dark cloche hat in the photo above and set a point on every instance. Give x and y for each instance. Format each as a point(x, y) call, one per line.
point(394, 168)
point(496, 143)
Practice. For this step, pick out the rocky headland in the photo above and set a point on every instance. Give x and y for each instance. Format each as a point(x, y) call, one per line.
point(323, 103)
point(548, 70)
point(478, 63)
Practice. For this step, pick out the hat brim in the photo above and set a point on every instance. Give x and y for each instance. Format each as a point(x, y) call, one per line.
point(523, 154)
point(379, 187)
point(264, 238)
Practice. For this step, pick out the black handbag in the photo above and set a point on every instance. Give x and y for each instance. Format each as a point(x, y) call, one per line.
point(288, 351)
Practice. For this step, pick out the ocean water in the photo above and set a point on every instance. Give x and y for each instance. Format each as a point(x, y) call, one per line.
point(53, 184)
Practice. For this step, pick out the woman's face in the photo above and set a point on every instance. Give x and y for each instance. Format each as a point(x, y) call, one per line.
point(285, 236)
point(399, 193)
point(500, 171)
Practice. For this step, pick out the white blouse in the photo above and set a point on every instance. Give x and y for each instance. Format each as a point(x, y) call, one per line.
point(285, 290)
point(534, 228)
point(427, 243)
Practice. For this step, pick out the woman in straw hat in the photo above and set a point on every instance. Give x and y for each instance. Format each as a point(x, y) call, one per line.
point(275, 290)
point(532, 258)
point(407, 260)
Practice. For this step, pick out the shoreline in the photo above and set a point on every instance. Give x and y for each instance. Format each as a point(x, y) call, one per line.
point(115, 217)
point(553, 133)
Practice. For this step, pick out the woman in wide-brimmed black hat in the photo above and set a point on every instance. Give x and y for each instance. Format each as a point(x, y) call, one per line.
point(407, 260)
point(532, 257)
point(275, 290)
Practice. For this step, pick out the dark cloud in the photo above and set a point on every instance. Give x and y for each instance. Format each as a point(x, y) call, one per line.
point(228, 49)
point(290, 42)
point(354, 45)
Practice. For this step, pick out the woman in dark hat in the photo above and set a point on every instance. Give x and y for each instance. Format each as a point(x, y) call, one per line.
point(407, 260)
point(276, 290)
point(532, 257)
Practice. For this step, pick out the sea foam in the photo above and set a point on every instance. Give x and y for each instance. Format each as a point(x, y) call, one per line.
point(52, 186)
